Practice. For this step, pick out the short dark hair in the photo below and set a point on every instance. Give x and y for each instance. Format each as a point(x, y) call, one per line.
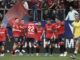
point(57, 18)
point(76, 14)
point(16, 18)
point(31, 19)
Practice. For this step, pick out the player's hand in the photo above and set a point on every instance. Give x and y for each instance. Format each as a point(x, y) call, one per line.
point(52, 37)
point(9, 40)
point(41, 37)
point(24, 38)
point(19, 30)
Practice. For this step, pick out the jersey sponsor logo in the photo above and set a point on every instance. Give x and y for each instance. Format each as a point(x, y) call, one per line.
point(2, 32)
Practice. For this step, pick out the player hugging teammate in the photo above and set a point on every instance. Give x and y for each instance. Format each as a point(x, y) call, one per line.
point(52, 33)
point(55, 34)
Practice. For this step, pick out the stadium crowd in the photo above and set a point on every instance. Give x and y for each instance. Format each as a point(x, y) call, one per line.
point(50, 8)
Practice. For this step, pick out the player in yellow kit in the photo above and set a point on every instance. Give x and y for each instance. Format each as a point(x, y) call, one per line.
point(76, 35)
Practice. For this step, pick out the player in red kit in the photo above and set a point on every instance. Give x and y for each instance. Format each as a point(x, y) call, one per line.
point(21, 39)
point(49, 37)
point(61, 30)
point(30, 35)
point(3, 33)
point(16, 35)
point(38, 37)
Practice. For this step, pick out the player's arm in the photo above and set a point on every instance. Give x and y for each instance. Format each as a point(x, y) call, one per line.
point(53, 35)
point(35, 30)
point(52, 5)
point(8, 37)
point(13, 29)
point(42, 34)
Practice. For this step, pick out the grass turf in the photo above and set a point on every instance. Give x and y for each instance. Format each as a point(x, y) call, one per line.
point(41, 57)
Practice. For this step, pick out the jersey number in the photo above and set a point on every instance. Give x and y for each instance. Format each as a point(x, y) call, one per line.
point(31, 28)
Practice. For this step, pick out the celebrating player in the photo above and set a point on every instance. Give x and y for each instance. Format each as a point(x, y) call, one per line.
point(16, 31)
point(21, 39)
point(30, 35)
point(49, 37)
point(60, 29)
point(38, 38)
point(3, 33)
point(76, 35)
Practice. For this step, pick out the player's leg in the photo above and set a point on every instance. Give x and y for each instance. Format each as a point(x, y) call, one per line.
point(47, 47)
point(21, 45)
point(62, 45)
point(37, 48)
point(76, 49)
point(51, 48)
point(28, 47)
point(32, 46)
point(2, 48)
point(15, 45)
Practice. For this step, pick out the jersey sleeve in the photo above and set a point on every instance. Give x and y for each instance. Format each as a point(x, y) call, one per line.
point(26, 26)
point(13, 26)
point(6, 31)
point(45, 27)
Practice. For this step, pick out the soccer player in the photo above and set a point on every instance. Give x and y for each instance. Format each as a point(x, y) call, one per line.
point(76, 35)
point(21, 39)
point(38, 38)
point(30, 35)
point(49, 37)
point(3, 34)
point(60, 29)
point(16, 35)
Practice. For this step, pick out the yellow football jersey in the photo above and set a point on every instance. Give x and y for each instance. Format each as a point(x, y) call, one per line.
point(76, 26)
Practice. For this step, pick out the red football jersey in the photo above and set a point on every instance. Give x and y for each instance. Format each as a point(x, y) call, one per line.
point(31, 27)
point(49, 31)
point(22, 27)
point(55, 28)
point(60, 28)
point(3, 32)
point(15, 33)
point(39, 33)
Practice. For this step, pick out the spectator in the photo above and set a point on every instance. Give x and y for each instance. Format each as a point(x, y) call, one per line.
point(51, 4)
point(68, 4)
point(46, 15)
point(10, 4)
point(1, 17)
point(76, 4)
point(35, 4)
point(53, 15)
point(71, 14)
point(25, 4)
point(2, 5)
point(44, 4)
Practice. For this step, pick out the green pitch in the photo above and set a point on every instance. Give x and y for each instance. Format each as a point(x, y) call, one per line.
point(41, 57)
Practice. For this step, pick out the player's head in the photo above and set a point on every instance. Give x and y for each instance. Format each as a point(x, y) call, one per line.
point(77, 17)
point(57, 20)
point(31, 19)
point(54, 11)
point(22, 21)
point(48, 21)
point(1, 25)
point(39, 24)
point(16, 20)
point(71, 7)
